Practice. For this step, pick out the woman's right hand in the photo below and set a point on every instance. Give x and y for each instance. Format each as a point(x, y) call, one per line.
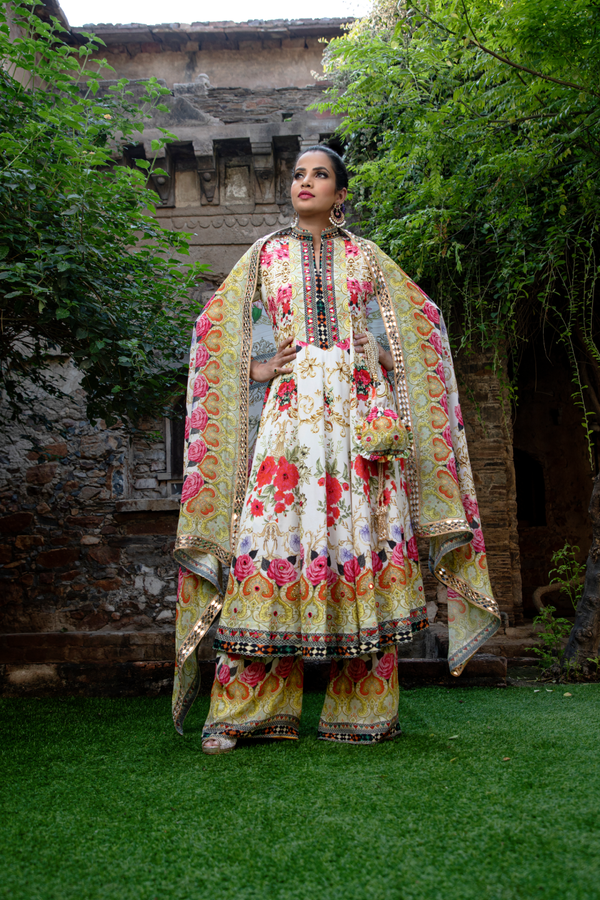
point(277, 365)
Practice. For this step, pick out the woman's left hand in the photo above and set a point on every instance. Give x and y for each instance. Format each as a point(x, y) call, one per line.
point(385, 357)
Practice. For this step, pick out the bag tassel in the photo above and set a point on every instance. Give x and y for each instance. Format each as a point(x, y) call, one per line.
point(380, 514)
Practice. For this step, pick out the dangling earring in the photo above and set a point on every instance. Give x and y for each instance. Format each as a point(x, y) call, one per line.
point(337, 216)
point(294, 221)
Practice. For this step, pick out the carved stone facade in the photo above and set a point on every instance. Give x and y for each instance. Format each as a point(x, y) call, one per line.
point(88, 514)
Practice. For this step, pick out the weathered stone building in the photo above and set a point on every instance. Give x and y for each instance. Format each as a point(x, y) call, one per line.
point(88, 513)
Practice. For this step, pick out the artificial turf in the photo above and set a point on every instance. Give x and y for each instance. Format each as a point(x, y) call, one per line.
point(101, 800)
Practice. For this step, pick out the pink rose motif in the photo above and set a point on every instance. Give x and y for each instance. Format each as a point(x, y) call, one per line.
point(386, 666)
point(197, 451)
point(376, 563)
point(188, 427)
point(471, 507)
point(343, 345)
point(390, 413)
point(439, 371)
point(351, 570)
point(203, 326)
point(451, 466)
point(285, 666)
point(351, 249)
point(412, 551)
point(200, 386)
point(284, 293)
point(281, 571)
point(332, 577)
point(431, 312)
point(356, 670)
point(244, 566)
point(398, 556)
point(202, 356)
point(478, 544)
point(199, 418)
point(443, 401)
point(223, 674)
point(447, 435)
point(191, 486)
point(373, 414)
point(458, 414)
point(253, 674)
point(316, 571)
point(436, 342)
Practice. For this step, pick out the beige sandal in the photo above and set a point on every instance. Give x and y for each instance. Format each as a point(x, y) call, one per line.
point(220, 744)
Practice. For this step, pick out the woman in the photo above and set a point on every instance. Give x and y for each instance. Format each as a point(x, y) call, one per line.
point(317, 532)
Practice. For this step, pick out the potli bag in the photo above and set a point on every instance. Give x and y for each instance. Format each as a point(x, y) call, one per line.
point(381, 435)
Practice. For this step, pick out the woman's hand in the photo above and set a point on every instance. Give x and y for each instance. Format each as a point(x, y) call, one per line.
point(385, 357)
point(277, 365)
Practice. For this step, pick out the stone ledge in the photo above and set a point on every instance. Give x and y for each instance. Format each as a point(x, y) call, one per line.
point(163, 504)
point(155, 677)
point(108, 648)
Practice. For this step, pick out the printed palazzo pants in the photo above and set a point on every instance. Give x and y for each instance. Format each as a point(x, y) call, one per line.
point(253, 698)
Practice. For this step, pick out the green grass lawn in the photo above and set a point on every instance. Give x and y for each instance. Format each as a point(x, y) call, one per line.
point(101, 799)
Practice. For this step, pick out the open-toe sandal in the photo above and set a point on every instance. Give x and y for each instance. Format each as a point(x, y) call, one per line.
point(220, 744)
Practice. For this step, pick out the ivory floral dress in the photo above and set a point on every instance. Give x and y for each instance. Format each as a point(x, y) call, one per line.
point(309, 576)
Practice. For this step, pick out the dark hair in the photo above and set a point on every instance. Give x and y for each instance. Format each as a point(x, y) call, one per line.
point(341, 172)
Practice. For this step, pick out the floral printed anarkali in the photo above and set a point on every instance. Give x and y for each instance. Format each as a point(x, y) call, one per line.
point(290, 522)
point(309, 575)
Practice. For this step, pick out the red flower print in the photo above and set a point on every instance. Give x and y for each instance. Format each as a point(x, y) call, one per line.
point(266, 471)
point(191, 486)
point(333, 490)
point(223, 674)
point(257, 508)
point(351, 570)
point(439, 371)
point(316, 571)
point(188, 427)
point(356, 670)
point(284, 295)
point(364, 468)
point(332, 577)
point(200, 385)
point(376, 563)
point(197, 451)
point(412, 550)
point(443, 401)
point(321, 481)
point(458, 414)
point(398, 556)
point(285, 666)
point(202, 356)
point(362, 377)
point(244, 566)
point(285, 392)
point(281, 571)
point(447, 435)
point(203, 326)
point(351, 249)
point(199, 418)
point(478, 544)
point(471, 507)
point(386, 665)
point(345, 486)
point(431, 312)
point(287, 475)
point(253, 674)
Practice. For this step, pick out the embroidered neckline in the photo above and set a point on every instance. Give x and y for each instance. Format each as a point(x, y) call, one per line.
point(331, 231)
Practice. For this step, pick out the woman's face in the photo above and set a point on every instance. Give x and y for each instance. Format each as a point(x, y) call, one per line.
point(313, 185)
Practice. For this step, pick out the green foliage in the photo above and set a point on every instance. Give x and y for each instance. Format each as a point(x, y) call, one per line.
point(472, 130)
point(568, 572)
point(85, 271)
point(553, 634)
